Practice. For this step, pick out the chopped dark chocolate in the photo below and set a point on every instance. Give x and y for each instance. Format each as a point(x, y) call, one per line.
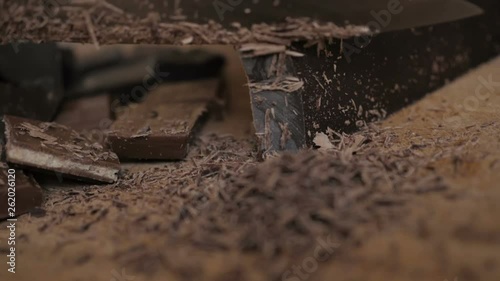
point(19, 193)
point(54, 147)
point(160, 128)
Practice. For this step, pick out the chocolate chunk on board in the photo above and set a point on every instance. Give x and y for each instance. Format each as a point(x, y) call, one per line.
point(56, 148)
point(160, 128)
point(23, 194)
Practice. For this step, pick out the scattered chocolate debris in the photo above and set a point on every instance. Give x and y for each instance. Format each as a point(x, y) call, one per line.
point(108, 27)
point(56, 148)
point(307, 195)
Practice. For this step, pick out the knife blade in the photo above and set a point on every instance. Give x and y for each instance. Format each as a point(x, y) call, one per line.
point(413, 13)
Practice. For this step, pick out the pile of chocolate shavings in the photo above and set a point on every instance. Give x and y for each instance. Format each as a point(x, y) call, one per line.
point(188, 185)
point(102, 25)
point(221, 205)
point(277, 209)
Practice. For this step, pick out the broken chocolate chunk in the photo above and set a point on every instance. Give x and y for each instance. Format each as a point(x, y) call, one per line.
point(19, 193)
point(160, 128)
point(56, 148)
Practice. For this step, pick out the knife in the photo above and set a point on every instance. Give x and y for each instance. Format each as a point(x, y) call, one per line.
point(414, 13)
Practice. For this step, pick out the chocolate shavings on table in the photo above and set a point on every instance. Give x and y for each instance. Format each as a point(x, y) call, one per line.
point(21, 22)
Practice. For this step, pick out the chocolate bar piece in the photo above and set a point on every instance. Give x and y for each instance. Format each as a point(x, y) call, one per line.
point(19, 193)
point(161, 126)
point(56, 148)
